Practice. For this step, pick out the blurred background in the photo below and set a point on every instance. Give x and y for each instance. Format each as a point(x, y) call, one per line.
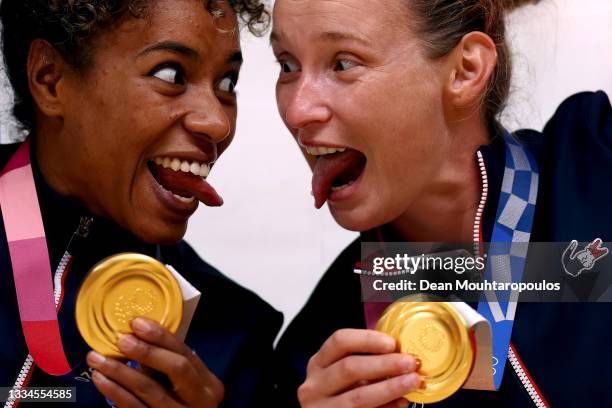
point(268, 235)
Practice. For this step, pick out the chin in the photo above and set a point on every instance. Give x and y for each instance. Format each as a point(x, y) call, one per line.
point(356, 219)
point(163, 234)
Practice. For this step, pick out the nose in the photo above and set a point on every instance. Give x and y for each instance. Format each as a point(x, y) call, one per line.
point(305, 104)
point(208, 121)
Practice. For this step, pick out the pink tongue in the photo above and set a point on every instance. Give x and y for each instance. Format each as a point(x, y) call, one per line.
point(328, 168)
point(188, 184)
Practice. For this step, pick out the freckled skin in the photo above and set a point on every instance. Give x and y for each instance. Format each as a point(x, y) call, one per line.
point(404, 142)
point(117, 116)
point(383, 96)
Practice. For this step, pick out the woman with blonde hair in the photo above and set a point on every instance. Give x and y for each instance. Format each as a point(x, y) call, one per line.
point(394, 105)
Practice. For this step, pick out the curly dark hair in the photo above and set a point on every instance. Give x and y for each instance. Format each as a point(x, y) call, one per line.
point(72, 25)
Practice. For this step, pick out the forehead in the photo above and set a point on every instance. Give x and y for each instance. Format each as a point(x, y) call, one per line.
point(376, 20)
point(184, 21)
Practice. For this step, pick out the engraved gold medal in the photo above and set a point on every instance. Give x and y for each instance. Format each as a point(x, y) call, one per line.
point(437, 334)
point(121, 288)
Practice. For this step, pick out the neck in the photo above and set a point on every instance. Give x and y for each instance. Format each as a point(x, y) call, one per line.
point(445, 212)
point(51, 160)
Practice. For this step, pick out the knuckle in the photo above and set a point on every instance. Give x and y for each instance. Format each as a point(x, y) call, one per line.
point(306, 391)
point(218, 389)
point(312, 364)
point(180, 365)
point(215, 394)
point(144, 386)
point(348, 368)
point(356, 398)
point(111, 364)
point(219, 392)
point(143, 350)
point(156, 333)
point(339, 339)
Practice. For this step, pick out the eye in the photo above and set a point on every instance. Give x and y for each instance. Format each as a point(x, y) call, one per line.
point(169, 73)
point(228, 83)
point(287, 67)
point(344, 65)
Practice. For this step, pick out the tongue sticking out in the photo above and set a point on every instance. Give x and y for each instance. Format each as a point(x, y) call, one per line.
point(186, 185)
point(335, 170)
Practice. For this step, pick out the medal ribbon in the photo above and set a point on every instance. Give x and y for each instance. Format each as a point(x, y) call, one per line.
point(514, 220)
point(508, 252)
point(30, 262)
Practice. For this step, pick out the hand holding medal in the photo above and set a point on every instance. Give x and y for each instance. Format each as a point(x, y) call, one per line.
point(357, 367)
point(130, 307)
point(437, 334)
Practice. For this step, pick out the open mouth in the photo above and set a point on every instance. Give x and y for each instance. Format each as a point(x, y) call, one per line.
point(185, 180)
point(336, 170)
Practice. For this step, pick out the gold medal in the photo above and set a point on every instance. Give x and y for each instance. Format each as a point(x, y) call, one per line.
point(436, 334)
point(121, 288)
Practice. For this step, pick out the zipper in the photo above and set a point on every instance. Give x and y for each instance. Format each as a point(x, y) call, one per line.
point(481, 205)
point(523, 375)
point(26, 371)
point(515, 361)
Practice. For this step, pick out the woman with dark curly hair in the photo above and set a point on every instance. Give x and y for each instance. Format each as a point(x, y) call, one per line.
point(127, 105)
point(394, 104)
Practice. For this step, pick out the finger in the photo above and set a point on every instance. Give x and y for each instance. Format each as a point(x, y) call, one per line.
point(153, 333)
point(343, 374)
point(348, 341)
point(398, 403)
point(188, 385)
point(380, 393)
point(131, 380)
point(114, 392)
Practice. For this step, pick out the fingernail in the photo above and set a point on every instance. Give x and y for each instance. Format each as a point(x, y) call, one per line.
point(423, 384)
point(141, 325)
point(390, 343)
point(408, 380)
point(127, 342)
point(418, 364)
point(407, 363)
point(96, 358)
point(99, 376)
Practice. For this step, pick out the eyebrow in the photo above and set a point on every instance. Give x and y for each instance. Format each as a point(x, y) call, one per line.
point(174, 47)
point(190, 53)
point(235, 57)
point(340, 36)
point(331, 36)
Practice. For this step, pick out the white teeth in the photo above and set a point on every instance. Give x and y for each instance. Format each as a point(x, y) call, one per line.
point(184, 199)
point(204, 170)
point(198, 169)
point(195, 169)
point(342, 186)
point(321, 151)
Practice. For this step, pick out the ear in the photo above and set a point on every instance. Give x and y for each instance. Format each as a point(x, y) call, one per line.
point(472, 63)
point(46, 69)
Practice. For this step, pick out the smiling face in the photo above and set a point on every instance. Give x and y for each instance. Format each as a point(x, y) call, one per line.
point(355, 77)
point(147, 118)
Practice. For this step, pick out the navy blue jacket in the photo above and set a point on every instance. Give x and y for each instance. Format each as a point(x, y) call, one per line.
point(232, 331)
point(565, 346)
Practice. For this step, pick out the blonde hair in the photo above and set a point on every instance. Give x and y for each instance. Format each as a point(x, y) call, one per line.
point(441, 24)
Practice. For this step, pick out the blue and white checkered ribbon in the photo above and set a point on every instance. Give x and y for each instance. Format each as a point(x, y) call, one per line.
point(508, 252)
